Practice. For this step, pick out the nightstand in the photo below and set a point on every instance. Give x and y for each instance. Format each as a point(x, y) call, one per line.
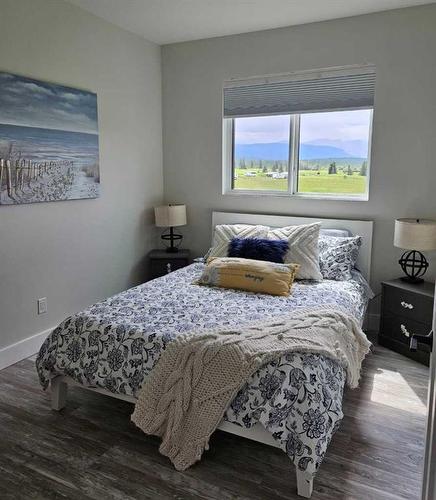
point(162, 262)
point(406, 309)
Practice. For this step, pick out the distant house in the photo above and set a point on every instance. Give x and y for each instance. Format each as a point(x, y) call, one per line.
point(250, 174)
point(278, 175)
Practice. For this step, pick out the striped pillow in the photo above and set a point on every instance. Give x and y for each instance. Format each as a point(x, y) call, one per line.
point(303, 248)
point(224, 233)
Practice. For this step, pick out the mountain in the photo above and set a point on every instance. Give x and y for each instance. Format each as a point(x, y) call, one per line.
point(354, 147)
point(280, 150)
point(315, 152)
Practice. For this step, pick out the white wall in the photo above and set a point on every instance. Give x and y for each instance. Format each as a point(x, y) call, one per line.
point(403, 179)
point(77, 252)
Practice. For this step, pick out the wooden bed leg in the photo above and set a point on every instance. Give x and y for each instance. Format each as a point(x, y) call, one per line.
point(304, 484)
point(59, 390)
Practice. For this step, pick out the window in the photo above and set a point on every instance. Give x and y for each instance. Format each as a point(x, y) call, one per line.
point(261, 153)
point(320, 151)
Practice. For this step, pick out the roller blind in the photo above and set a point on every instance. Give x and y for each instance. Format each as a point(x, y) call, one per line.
point(300, 93)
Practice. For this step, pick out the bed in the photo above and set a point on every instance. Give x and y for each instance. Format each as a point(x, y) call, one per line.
point(294, 402)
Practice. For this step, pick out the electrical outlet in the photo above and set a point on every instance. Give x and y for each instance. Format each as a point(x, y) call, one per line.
point(42, 305)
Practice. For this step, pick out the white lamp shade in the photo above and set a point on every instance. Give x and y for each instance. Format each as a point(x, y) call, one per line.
point(170, 215)
point(415, 234)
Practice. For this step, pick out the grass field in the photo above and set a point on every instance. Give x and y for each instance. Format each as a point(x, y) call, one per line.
point(309, 181)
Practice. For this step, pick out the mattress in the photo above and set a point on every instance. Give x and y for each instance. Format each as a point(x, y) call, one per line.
point(114, 344)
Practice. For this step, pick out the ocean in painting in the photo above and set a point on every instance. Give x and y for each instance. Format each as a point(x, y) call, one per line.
point(74, 172)
point(48, 142)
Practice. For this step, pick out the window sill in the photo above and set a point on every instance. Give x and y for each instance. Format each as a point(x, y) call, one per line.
point(303, 196)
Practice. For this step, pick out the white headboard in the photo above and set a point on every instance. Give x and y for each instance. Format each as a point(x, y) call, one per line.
point(361, 227)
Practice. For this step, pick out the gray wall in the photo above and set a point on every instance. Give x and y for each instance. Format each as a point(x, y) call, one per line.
point(403, 178)
point(76, 252)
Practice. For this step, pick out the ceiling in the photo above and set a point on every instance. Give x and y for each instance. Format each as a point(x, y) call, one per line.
point(168, 21)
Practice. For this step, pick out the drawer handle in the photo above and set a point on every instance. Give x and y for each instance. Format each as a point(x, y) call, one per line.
point(406, 333)
point(168, 267)
point(406, 305)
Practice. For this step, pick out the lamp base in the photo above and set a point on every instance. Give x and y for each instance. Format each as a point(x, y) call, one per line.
point(171, 249)
point(415, 281)
point(414, 264)
point(172, 237)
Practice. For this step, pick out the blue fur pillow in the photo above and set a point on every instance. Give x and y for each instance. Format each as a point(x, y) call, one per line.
point(258, 249)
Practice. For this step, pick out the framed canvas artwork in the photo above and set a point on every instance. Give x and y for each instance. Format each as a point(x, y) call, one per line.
point(48, 142)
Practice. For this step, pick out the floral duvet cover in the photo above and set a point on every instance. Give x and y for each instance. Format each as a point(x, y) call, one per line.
point(114, 344)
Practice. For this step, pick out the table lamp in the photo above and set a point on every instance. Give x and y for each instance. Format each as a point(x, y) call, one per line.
point(170, 216)
point(414, 235)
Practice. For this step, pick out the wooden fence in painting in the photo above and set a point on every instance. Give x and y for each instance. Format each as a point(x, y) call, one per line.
point(17, 175)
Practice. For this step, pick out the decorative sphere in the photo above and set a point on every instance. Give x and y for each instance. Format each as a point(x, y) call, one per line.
point(413, 263)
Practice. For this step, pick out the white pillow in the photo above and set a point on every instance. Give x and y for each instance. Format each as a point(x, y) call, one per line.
point(224, 233)
point(303, 248)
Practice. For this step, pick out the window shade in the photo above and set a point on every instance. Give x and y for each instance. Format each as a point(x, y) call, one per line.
point(320, 91)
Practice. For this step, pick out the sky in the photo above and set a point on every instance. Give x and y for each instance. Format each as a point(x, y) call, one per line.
point(33, 103)
point(330, 128)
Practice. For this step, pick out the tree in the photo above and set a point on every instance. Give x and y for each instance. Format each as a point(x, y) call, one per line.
point(260, 164)
point(364, 168)
point(349, 171)
point(251, 164)
point(275, 167)
point(281, 169)
point(332, 168)
point(264, 170)
point(242, 163)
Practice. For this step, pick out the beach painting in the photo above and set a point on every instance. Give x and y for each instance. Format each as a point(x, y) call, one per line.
point(48, 142)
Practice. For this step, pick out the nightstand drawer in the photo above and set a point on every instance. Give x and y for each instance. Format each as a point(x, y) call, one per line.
point(401, 329)
point(160, 267)
point(408, 304)
point(407, 309)
point(162, 262)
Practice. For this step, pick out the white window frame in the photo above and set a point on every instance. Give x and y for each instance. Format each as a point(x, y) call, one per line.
point(294, 136)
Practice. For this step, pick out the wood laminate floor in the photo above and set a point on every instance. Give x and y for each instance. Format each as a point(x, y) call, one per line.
point(91, 450)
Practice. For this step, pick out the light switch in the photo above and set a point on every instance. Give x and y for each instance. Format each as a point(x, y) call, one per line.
point(42, 305)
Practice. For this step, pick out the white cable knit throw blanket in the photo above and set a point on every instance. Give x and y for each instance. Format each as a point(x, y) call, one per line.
point(196, 378)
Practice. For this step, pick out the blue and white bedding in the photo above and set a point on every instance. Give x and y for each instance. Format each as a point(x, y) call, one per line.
point(115, 343)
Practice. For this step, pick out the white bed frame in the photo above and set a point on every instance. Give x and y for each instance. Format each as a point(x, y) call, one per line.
point(59, 385)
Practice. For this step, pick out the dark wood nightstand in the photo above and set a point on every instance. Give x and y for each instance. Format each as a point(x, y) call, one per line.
point(162, 262)
point(406, 309)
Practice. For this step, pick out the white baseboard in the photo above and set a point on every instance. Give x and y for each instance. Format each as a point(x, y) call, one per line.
point(23, 349)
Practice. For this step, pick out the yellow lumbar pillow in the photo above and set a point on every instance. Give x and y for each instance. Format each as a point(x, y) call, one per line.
point(251, 275)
